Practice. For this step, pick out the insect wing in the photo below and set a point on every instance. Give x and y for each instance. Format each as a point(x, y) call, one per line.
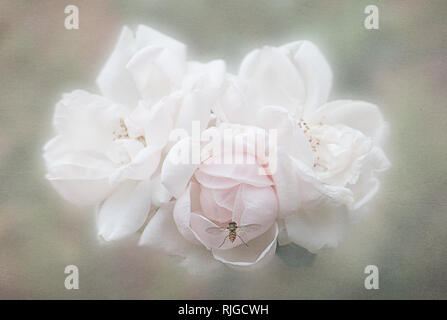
point(249, 227)
point(215, 230)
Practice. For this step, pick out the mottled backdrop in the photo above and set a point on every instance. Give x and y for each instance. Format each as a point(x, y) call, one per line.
point(402, 67)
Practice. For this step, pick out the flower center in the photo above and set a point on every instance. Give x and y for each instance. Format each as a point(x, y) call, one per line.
point(123, 133)
point(314, 142)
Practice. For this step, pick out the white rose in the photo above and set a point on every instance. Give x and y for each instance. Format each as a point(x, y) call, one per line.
point(337, 144)
point(108, 148)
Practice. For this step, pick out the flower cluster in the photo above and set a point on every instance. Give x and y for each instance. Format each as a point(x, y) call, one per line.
point(288, 166)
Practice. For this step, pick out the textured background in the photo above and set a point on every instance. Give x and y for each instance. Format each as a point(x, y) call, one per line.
point(402, 67)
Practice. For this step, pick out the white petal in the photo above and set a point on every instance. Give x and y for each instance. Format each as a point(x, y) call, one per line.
point(259, 251)
point(289, 135)
point(79, 177)
point(114, 81)
point(314, 192)
point(297, 187)
point(231, 104)
point(146, 36)
point(86, 121)
point(204, 75)
point(367, 185)
point(286, 184)
point(140, 168)
point(160, 195)
point(159, 125)
point(177, 168)
point(314, 70)
point(316, 228)
point(82, 192)
point(272, 79)
point(184, 206)
point(360, 115)
point(125, 211)
point(196, 106)
point(63, 162)
point(79, 184)
point(156, 71)
point(161, 233)
point(124, 150)
point(137, 120)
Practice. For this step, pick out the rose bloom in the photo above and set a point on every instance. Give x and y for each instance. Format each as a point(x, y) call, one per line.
point(108, 148)
point(337, 143)
point(215, 192)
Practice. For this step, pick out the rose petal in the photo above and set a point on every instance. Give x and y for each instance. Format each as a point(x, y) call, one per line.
point(82, 192)
point(140, 168)
point(63, 163)
point(123, 150)
point(177, 168)
point(260, 207)
point(210, 207)
point(288, 134)
point(160, 195)
point(156, 71)
point(259, 250)
point(146, 36)
point(87, 121)
point(195, 107)
point(161, 233)
point(79, 177)
point(286, 185)
point(231, 105)
point(158, 126)
point(313, 69)
point(114, 81)
point(125, 211)
point(183, 209)
point(360, 115)
point(224, 198)
point(204, 75)
point(367, 185)
point(297, 187)
point(242, 169)
point(213, 182)
point(271, 79)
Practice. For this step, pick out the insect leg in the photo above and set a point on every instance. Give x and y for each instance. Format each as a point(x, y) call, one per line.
point(242, 240)
point(223, 241)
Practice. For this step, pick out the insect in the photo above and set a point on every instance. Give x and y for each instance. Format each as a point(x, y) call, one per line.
point(232, 230)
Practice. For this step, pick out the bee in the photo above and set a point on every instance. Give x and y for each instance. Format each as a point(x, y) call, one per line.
point(232, 230)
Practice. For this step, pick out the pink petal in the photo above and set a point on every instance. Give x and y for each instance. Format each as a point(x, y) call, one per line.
point(213, 182)
point(239, 171)
point(259, 251)
point(211, 209)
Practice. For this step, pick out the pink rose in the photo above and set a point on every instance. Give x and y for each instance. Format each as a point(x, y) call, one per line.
point(218, 193)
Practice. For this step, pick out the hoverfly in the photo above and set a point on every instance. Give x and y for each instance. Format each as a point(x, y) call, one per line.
point(232, 230)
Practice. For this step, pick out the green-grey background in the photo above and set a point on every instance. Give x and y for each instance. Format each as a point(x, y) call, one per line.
point(402, 67)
